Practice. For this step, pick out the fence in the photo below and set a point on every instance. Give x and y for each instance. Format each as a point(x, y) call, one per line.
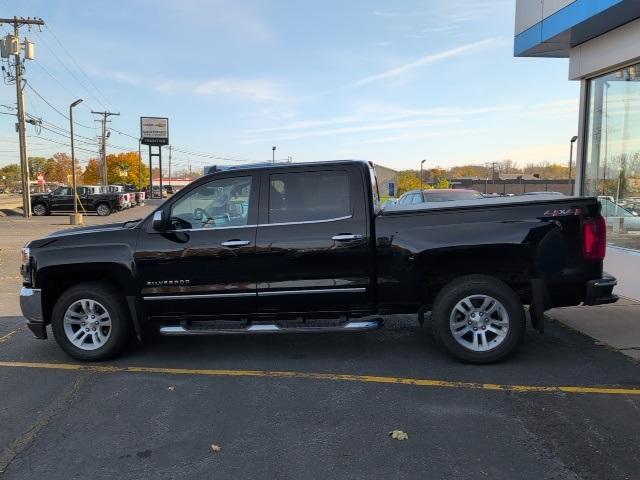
point(515, 187)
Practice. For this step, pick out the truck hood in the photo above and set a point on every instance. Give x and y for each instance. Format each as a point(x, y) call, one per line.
point(109, 227)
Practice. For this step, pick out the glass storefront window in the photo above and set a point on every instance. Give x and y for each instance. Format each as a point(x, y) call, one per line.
point(612, 164)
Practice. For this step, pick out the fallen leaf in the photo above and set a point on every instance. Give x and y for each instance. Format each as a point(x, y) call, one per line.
point(399, 435)
point(171, 388)
point(215, 448)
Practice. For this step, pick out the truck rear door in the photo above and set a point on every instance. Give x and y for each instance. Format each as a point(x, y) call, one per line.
point(313, 250)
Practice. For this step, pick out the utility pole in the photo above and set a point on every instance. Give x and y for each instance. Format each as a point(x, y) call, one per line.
point(170, 169)
point(12, 46)
point(139, 165)
point(103, 145)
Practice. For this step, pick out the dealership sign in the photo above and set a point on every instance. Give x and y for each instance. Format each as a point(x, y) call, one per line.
point(154, 130)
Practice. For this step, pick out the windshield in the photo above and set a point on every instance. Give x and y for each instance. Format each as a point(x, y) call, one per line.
point(612, 209)
point(447, 196)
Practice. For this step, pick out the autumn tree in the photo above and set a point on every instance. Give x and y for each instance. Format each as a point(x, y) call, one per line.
point(126, 168)
point(58, 168)
point(36, 165)
point(91, 174)
point(479, 171)
point(407, 180)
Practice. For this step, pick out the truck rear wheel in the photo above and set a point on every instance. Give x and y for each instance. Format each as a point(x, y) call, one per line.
point(478, 318)
point(90, 322)
point(103, 209)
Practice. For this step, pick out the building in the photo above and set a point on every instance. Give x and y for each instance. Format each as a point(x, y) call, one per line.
point(601, 39)
point(386, 177)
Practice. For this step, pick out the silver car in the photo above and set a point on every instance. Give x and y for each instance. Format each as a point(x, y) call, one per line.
point(619, 218)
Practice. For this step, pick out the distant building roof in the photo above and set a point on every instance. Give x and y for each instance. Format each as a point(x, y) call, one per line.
point(517, 176)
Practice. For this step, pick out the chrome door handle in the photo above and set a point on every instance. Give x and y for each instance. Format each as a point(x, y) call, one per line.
point(346, 237)
point(235, 243)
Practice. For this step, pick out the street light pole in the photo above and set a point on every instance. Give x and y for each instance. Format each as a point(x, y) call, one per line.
point(421, 164)
point(77, 218)
point(273, 154)
point(573, 140)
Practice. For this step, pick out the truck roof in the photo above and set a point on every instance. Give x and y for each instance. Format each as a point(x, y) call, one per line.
point(280, 165)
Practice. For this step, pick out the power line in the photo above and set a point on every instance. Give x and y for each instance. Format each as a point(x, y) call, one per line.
point(64, 65)
point(28, 84)
point(78, 65)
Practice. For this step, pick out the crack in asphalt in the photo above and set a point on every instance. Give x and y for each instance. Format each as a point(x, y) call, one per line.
point(24, 441)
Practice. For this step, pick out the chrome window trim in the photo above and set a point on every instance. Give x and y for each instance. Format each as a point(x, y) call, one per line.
point(212, 228)
point(312, 291)
point(306, 222)
point(202, 295)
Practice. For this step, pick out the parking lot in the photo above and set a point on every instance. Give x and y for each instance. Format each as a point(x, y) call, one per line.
point(309, 406)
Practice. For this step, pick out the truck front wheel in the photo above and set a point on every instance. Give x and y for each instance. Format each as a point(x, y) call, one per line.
point(40, 209)
point(478, 318)
point(90, 322)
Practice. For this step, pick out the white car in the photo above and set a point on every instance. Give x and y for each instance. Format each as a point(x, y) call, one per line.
point(619, 218)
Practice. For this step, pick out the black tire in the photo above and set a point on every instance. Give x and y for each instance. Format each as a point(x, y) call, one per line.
point(39, 209)
point(103, 209)
point(112, 301)
point(468, 286)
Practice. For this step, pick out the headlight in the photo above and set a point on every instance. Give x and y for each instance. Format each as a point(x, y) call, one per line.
point(25, 268)
point(26, 255)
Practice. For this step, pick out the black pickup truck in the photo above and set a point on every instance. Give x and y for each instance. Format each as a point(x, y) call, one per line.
point(306, 248)
point(61, 200)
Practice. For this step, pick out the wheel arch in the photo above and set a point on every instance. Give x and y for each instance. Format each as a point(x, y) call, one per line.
point(54, 280)
point(510, 263)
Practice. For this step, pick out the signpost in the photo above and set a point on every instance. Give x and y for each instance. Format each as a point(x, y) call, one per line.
point(154, 131)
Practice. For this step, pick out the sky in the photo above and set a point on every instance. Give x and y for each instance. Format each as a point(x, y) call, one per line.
point(393, 82)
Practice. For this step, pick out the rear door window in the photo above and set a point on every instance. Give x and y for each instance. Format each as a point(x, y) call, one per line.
point(309, 196)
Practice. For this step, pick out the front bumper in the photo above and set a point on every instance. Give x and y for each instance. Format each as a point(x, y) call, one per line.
point(600, 291)
point(31, 306)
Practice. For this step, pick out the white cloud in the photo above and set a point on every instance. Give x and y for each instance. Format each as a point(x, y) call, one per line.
point(399, 125)
point(415, 136)
point(421, 62)
point(256, 90)
point(251, 90)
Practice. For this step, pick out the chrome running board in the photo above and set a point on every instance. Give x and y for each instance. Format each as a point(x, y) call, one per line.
point(360, 326)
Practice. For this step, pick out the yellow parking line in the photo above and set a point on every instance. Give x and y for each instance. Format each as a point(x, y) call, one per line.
point(420, 382)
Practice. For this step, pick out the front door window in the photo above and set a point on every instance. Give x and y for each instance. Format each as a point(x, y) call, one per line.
point(219, 203)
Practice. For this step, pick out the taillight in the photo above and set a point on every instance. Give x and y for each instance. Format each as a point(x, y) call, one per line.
point(595, 238)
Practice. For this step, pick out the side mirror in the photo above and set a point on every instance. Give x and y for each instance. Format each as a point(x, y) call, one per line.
point(158, 222)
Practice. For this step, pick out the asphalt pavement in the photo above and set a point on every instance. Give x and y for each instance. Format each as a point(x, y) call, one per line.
point(317, 406)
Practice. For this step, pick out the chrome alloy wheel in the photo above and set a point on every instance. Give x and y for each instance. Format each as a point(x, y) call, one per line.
point(87, 324)
point(479, 323)
point(39, 209)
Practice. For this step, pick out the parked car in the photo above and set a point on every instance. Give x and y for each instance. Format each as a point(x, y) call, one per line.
point(389, 202)
point(619, 218)
point(543, 193)
point(61, 200)
point(413, 197)
point(307, 248)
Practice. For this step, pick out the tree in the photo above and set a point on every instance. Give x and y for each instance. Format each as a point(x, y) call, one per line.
point(36, 165)
point(126, 168)
point(441, 182)
point(11, 173)
point(407, 180)
point(58, 168)
point(91, 175)
point(468, 171)
point(507, 166)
